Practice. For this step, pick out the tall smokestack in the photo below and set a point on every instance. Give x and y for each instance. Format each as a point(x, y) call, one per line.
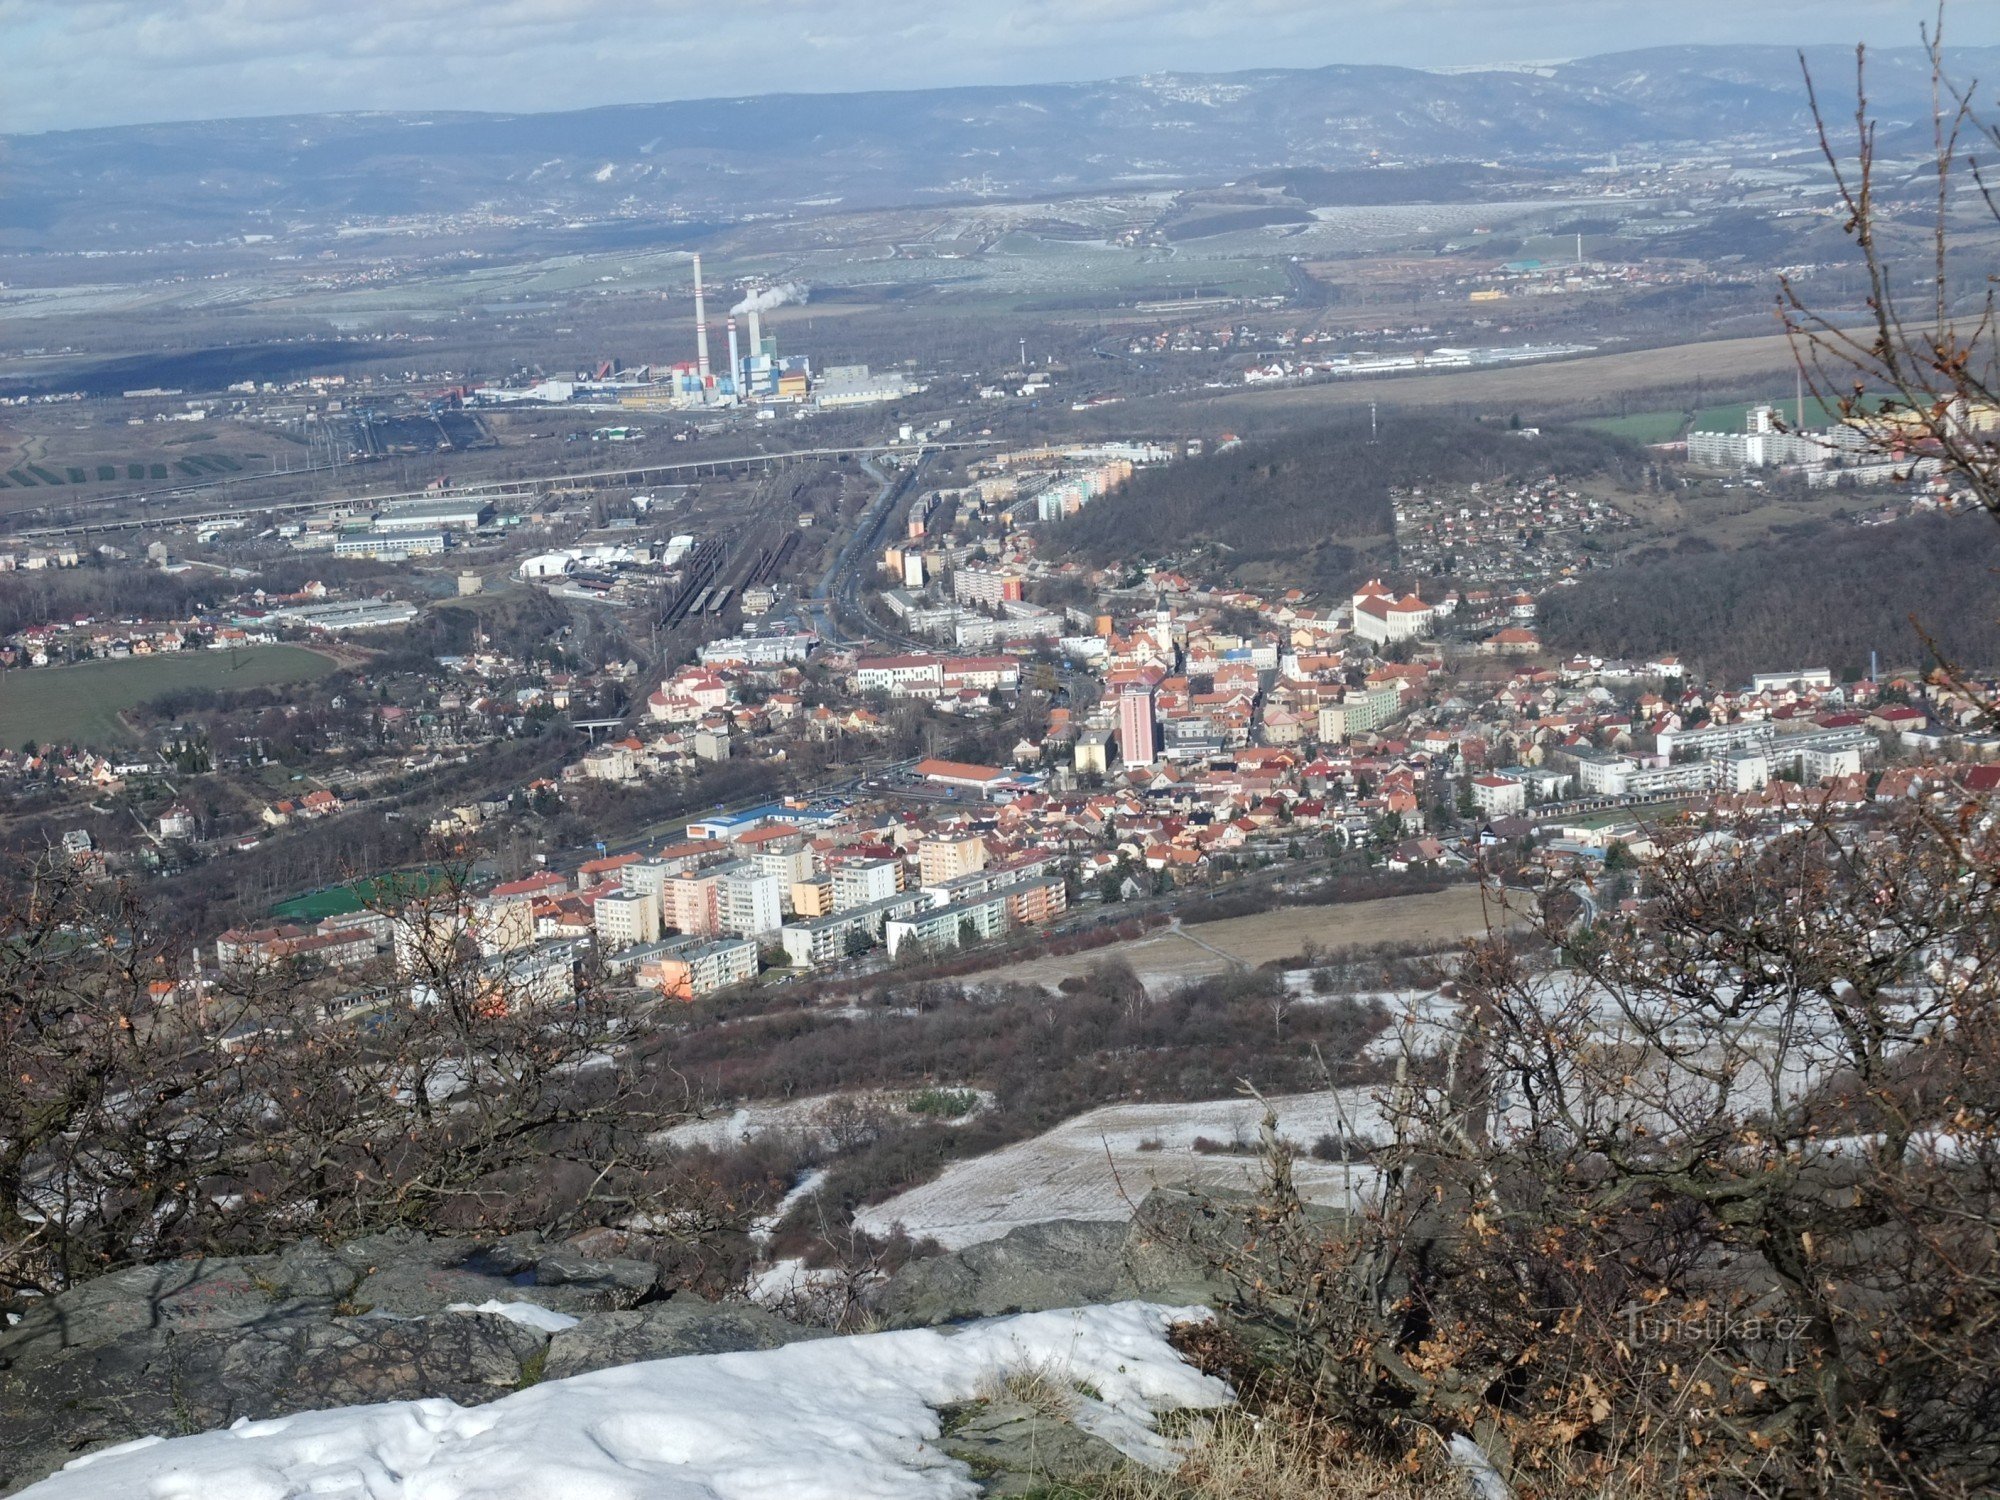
point(735, 364)
point(756, 333)
point(700, 327)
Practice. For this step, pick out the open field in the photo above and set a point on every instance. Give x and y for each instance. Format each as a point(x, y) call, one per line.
point(82, 704)
point(1643, 426)
point(1101, 1164)
point(1560, 385)
point(1176, 955)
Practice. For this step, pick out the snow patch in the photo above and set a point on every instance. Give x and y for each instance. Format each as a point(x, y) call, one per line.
point(765, 1225)
point(525, 1313)
point(829, 1419)
point(1100, 1164)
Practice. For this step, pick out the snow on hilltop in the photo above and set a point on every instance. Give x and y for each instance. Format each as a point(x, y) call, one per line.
point(828, 1419)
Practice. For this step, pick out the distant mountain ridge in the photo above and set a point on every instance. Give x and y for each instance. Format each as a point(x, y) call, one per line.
point(707, 159)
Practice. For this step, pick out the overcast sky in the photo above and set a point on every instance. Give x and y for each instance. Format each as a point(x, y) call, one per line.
point(97, 62)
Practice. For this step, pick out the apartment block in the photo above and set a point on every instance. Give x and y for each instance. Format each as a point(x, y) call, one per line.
point(862, 882)
point(947, 857)
point(824, 940)
point(943, 928)
point(700, 969)
point(625, 919)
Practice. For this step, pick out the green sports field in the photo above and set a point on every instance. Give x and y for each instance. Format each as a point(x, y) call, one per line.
point(81, 704)
point(339, 900)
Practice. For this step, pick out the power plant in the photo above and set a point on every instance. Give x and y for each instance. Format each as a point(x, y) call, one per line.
point(754, 376)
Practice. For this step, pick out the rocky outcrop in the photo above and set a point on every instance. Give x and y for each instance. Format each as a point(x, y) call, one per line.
point(188, 1346)
point(1161, 1256)
point(665, 1330)
point(1016, 1449)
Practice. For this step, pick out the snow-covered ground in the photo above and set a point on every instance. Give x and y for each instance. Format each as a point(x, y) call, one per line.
point(766, 1224)
point(829, 1419)
point(812, 1121)
point(1099, 1165)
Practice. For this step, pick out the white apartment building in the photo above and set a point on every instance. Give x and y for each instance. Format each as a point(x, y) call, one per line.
point(748, 902)
point(862, 882)
point(625, 919)
point(900, 676)
point(1498, 796)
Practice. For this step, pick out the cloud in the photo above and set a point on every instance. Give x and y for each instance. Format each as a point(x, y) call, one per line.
point(86, 62)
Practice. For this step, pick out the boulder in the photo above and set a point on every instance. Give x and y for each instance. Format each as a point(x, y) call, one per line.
point(1036, 1267)
point(1165, 1254)
point(1168, 1249)
point(662, 1330)
point(412, 1277)
point(1014, 1449)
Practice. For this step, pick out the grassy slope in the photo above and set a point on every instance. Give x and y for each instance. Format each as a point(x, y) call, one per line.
point(81, 704)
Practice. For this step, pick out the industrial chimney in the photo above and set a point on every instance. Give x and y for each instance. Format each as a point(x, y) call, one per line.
point(735, 364)
point(700, 328)
point(756, 333)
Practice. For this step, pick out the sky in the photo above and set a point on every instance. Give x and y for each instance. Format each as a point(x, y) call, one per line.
point(75, 63)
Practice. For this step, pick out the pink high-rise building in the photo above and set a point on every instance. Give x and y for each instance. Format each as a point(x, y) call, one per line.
point(1138, 743)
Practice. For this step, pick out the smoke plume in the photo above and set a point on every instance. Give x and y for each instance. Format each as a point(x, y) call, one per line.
point(765, 298)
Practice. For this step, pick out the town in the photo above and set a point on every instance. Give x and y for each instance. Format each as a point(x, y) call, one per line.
point(958, 739)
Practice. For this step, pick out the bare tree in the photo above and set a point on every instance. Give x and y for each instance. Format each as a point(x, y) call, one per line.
point(1707, 1196)
point(1917, 374)
point(153, 1110)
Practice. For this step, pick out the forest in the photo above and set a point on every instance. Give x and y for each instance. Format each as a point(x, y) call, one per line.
point(1316, 503)
point(1824, 598)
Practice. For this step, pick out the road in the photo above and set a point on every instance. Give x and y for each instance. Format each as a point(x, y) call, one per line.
point(837, 598)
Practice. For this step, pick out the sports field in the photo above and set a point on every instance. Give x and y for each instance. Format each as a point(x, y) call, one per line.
point(81, 704)
point(339, 900)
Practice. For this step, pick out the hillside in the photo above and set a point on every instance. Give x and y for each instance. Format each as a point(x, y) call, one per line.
point(647, 164)
point(1825, 599)
point(1315, 504)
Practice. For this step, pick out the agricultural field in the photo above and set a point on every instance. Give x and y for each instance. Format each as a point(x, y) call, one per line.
point(1178, 955)
point(1643, 426)
point(1582, 385)
point(82, 704)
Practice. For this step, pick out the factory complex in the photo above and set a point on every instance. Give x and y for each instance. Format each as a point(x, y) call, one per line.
point(754, 375)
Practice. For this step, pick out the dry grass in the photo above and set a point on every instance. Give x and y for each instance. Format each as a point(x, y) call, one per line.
point(1167, 958)
point(1242, 1457)
point(1043, 1388)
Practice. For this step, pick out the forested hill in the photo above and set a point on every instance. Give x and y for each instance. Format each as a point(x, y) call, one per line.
point(1315, 504)
point(1823, 600)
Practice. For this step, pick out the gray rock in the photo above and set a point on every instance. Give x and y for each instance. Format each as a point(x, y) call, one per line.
point(182, 1296)
point(1013, 1449)
point(1167, 1253)
point(1039, 1266)
point(1168, 1250)
point(663, 1330)
point(623, 1283)
point(166, 1382)
point(311, 1269)
point(468, 1357)
point(414, 1277)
